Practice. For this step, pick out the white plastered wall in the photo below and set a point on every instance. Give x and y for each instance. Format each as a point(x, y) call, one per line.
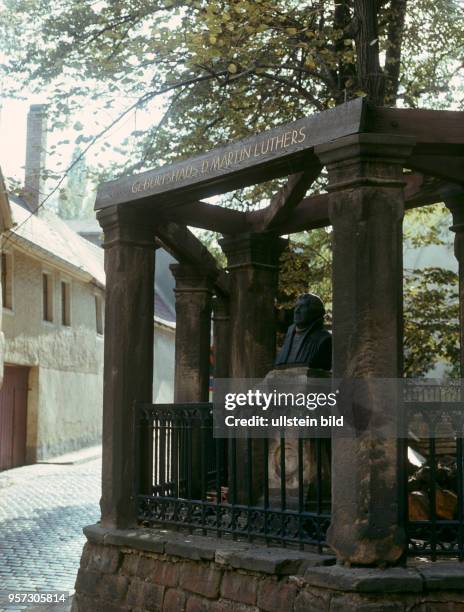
point(163, 364)
point(65, 382)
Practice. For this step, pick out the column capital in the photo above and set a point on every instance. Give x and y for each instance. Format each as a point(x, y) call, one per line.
point(453, 197)
point(253, 249)
point(190, 278)
point(125, 225)
point(372, 160)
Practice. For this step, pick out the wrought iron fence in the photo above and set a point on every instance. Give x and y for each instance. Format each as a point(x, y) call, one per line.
point(432, 479)
point(276, 491)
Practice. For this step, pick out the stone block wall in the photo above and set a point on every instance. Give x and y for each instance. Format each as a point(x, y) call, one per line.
point(142, 571)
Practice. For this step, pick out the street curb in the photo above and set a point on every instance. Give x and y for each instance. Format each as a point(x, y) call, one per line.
point(73, 458)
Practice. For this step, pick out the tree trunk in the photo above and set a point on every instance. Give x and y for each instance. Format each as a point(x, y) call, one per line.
point(397, 15)
point(370, 76)
point(346, 71)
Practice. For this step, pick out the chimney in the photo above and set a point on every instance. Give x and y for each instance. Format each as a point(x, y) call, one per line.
point(36, 142)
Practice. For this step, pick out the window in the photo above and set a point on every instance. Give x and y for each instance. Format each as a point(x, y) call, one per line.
point(7, 280)
point(99, 314)
point(47, 296)
point(65, 303)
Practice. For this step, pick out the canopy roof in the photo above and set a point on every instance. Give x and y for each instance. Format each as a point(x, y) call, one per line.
point(289, 150)
point(170, 197)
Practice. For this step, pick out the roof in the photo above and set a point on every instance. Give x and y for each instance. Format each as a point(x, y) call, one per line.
point(430, 141)
point(85, 226)
point(50, 235)
point(52, 238)
point(164, 281)
point(164, 311)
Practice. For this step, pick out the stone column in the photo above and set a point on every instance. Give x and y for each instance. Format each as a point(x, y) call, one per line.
point(194, 294)
point(128, 358)
point(366, 210)
point(454, 200)
point(253, 268)
point(221, 335)
point(252, 261)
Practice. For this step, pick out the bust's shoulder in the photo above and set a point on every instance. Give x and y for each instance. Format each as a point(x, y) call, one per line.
point(322, 334)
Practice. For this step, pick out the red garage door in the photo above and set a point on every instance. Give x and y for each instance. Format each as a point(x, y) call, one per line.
point(13, 414)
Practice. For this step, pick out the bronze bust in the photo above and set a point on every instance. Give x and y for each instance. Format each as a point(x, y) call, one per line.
point(307, 342)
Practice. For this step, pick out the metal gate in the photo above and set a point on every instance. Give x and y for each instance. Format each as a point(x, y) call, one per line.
point(13, 416)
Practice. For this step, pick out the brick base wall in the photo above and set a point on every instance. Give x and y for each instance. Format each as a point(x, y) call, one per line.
point(193, 574)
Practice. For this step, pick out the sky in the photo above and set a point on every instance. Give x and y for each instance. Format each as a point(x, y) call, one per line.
point(13, 137)
point(13, 121)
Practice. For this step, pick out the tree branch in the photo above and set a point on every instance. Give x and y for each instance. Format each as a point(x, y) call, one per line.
point(301, 90)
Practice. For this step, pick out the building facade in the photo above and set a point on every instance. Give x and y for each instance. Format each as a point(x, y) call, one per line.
point(53, 302)
point(51, 344)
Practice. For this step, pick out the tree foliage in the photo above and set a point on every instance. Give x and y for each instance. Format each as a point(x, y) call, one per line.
point(430, 292)
point(231, 67)
point(306, 266)
point(221, 69)
point(431, 299)
point(431, 322)
point(73, 202)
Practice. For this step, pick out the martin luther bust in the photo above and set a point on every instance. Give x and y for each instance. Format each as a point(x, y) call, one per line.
point(307, 342)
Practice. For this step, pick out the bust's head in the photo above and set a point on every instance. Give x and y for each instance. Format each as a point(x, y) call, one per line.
point(308, 308)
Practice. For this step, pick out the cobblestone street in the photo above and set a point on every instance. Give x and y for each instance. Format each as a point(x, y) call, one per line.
point(42, 511)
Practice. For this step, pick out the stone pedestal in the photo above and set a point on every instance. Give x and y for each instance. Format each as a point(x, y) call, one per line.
point(128, 371)
point(313, 451)
point(146, 570)
point(366, 211)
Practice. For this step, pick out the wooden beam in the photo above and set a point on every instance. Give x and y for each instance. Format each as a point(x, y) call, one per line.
point(313, 212)
point(435, 131)
point(271, 154)
point(423, 190)
point(208, 216)
point(307, 213)
point(450, 168)
point(287, 199)
point(186, 248)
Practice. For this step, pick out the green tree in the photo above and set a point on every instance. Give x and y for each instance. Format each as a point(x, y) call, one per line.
point(430, 294)
point(230, 67)
point(431, 299)
point(222, 69)
point(431, 322)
